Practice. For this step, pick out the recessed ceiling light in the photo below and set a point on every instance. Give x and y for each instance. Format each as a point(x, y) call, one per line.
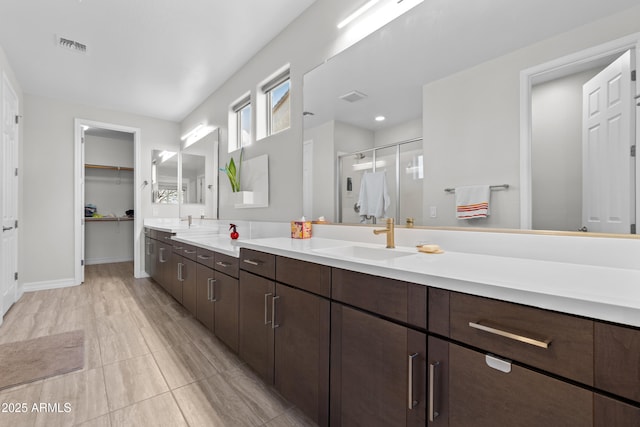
point(380, 118)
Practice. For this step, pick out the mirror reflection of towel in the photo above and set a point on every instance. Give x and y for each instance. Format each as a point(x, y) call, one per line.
point(472, 201)
point(374, 197)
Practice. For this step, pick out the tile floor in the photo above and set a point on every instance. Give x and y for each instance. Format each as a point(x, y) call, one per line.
point(148, 362)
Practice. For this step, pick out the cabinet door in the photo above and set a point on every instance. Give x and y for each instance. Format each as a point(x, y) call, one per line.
point(163, 266)
point(376, 367)
point(302, 351)
point(225, 294)
point(150, 257)
point(508, 395)
point(610, 412)
point(188, 279)
point(204, 304)
point(255, 316)
point(173, 278)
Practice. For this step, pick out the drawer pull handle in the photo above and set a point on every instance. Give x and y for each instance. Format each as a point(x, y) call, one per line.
point(177, 248)
point(433, 414)
point(252, 262)
point(203, 257)
point(410, 402)
point(189, 252)
point(542, 343)
point(213, 289)
point(161, 259)
point(266, 305)
point(223, 264)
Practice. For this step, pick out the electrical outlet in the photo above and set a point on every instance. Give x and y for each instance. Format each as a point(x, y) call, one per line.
point(433, 211)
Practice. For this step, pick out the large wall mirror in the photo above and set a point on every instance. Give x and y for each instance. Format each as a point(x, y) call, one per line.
point(198, 167)
point(446, 80)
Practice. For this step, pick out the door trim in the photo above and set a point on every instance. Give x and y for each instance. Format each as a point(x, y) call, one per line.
point(554, 69)
point(79, 209)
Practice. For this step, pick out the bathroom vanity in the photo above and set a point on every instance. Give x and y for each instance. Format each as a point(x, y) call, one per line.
point(355, 334)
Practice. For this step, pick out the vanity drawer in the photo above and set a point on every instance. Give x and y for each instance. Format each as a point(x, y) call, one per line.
point(205, 257)
point(304, 275)
point(257, 262)
point(394, 299)
point(190, 251)
point(163, 236)
point(226, 264)
point(557, 343)
point(617, 360)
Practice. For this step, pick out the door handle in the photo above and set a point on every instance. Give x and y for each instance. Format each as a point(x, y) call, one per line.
point(411, 403)
point(266, 305)
point(6, 228)
point(433, 414)
point(273, 312)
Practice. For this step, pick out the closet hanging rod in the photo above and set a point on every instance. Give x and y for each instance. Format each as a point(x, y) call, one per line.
point(492, 187)
point(117, 168)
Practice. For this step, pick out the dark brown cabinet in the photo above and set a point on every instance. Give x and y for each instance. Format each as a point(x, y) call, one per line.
point(255, 323)
point(377, 371)
point(205, 306)
point(609, 412)
point(225, 298)
point(484, 390)
point(150, 254)
point(187, 277)
point(378, 363)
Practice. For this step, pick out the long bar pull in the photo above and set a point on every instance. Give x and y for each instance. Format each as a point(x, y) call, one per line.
point(410, 402)
point(433, 414)
point(223, 264)
point(209, 289)
point(213, 290)
point(160, 255)
point(273, 313)
point(250, 261)
point(266, 305)
point(493, 329)
point(203, 257)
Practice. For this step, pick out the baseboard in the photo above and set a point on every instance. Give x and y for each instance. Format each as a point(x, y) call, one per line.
point(49, 284)
point(95, 261)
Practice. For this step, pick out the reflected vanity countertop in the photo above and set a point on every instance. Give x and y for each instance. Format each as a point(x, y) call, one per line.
point(605, 293)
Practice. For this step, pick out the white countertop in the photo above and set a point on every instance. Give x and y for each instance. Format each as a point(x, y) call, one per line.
point(604, 292)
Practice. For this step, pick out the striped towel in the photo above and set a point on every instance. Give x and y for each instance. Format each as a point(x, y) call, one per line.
point(472, 201)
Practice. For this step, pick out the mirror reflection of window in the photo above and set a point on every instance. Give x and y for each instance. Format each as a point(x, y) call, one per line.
point(164, 177)
point(193, 172)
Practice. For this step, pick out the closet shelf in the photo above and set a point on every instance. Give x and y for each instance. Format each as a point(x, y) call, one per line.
point(90, 219)
point(116, 168)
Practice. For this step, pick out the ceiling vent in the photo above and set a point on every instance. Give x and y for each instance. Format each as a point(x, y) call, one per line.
point(353, 96)
point(71, 45)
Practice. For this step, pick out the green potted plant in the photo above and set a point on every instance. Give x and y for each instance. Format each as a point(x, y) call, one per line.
point(233, 172)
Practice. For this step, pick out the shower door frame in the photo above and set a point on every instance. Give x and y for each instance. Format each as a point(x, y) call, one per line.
point(338, 192)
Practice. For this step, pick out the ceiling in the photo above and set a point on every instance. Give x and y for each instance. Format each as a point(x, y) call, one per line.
point(435, 39)
point(158, 58)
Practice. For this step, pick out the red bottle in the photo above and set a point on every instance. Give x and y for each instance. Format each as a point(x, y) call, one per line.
point(234, 234)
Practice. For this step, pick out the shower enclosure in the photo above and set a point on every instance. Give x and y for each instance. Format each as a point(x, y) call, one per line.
point(402, 164)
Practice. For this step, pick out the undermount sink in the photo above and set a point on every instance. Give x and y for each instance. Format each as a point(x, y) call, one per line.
point(364, 253)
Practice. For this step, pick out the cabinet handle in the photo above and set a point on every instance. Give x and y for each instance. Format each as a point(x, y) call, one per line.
point(223, 264)
point(177, 248)
point(189, 252)
point(180, 272)
point(203, 257)
point(167, 237)
point(433, 414)
point(266, 304)
point(410, 402)
point(273, 313)
point(208, 288)
point(160, 255)
point(149, 248)
point(213, 291)
point(252, 262)
point(493, 329)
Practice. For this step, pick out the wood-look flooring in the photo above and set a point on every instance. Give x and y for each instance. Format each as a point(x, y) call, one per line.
point(148, 362)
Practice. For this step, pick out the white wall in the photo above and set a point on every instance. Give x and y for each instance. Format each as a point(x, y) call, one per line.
point(472, 122)
point(47, 236)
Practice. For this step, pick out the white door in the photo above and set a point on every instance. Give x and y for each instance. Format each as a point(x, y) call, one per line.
point(9, 198)
point(81, 177)
point(608, 183)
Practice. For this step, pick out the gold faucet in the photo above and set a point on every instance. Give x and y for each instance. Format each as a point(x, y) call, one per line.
point(409, 222)
point(390, 233)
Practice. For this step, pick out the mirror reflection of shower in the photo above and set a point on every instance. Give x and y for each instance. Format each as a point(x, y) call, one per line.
point(393, 186)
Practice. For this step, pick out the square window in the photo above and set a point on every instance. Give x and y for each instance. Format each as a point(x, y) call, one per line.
point(240, 116)
point(243, 116)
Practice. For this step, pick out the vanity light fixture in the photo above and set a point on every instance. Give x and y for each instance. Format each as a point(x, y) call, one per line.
point(166, 155)
point(362, 9)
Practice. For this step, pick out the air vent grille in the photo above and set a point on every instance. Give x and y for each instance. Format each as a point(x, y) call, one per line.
point(72, 45)
point(353, 96)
